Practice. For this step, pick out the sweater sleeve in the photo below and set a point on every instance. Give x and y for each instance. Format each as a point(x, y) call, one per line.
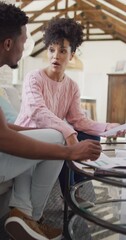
point(78, 120)
point(37, 110)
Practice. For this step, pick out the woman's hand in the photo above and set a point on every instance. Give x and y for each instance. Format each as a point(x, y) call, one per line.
point(72, 139)
point(113, 125)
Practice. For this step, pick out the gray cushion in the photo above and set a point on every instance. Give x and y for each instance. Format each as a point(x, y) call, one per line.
point(9, 111)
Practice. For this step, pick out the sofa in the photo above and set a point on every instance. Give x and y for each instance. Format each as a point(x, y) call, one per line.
point(10, 104)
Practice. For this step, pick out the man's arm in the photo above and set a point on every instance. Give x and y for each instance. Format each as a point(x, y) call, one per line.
point(17, 128)
point(17, 144)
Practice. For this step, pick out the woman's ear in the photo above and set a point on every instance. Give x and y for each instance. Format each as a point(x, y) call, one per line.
point(8, 44)
point(72, 55)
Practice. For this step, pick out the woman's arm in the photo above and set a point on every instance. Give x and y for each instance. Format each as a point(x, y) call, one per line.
point(77, 118)
point(80, 122)
point(72, 139)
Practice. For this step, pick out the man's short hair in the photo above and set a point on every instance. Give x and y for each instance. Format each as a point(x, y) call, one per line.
point(12, 19)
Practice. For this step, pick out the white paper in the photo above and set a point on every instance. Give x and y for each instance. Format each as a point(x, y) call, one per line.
point(120, 152)
point(104, 162)
point(113, 131)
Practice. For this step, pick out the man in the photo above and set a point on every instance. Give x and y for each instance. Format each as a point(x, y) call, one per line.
point(23, 158)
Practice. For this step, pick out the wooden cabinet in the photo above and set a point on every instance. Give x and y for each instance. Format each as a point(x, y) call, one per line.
point(116, 102)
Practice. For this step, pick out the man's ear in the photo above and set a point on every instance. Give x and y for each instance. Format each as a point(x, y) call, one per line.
point(8, 44)
point(72, 55)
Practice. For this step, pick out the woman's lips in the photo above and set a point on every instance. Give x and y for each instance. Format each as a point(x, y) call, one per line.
point(56, 64)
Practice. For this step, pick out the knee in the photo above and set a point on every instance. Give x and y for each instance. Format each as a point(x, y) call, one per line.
point(45, 135)
point(57, 136)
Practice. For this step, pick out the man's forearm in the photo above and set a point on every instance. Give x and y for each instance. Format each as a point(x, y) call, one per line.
point(17, 144)
point(17, 128)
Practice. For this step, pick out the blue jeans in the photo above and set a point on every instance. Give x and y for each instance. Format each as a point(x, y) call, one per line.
point(75, 177)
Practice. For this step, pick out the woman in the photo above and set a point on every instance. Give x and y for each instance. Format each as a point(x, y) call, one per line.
point(50, 98)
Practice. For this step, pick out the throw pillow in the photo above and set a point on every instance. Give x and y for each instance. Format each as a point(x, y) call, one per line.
point(3, 94)
point(9, 111)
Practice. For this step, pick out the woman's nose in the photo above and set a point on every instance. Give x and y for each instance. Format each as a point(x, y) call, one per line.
point(56, 54)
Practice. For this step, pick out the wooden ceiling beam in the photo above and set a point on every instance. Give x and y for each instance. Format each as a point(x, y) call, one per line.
point(24, 3)
point(102, 6)
point(53, 11)
point(94, 15)
point(118, 26)
point(59, 15)
point(102, 15)
point(107, 30)
point(117, 4)
point(66, 4)
point(100, 39)
point(38, 41)
point(56, 5)
point(97, 24)
point(37, 52)
point(89, 28)
point(43, 10)
point(72, 8)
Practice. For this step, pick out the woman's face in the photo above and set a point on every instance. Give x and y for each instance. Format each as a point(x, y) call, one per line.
point(59, 56)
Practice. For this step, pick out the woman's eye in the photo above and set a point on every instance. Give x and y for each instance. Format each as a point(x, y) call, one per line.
point(51, 50)
point(63, 51)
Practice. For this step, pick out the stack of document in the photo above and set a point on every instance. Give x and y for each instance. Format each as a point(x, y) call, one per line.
point(104, 165)
point(113, 131)
point(105, 162)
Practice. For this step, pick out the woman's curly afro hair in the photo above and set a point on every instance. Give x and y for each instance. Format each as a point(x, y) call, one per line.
point(64, 28)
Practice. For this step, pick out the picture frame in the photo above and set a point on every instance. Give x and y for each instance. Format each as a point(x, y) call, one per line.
point(120, 66)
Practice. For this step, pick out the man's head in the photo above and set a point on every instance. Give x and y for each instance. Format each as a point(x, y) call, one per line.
point(12, 34)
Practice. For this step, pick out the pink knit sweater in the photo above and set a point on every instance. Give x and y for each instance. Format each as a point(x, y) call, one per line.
point(47, 103)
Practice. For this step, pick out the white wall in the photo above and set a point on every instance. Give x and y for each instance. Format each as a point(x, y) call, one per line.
point(99, 58)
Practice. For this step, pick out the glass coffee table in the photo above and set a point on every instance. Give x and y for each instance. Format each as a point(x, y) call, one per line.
point(102, 213)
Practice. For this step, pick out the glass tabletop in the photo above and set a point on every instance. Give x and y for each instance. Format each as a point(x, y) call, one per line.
point(100, 203)
point(110, 175)
point(82, 229)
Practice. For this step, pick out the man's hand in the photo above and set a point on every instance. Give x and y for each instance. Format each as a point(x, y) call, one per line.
point(84, 150)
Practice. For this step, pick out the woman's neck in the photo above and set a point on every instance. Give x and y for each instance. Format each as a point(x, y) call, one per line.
point(58, 77)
